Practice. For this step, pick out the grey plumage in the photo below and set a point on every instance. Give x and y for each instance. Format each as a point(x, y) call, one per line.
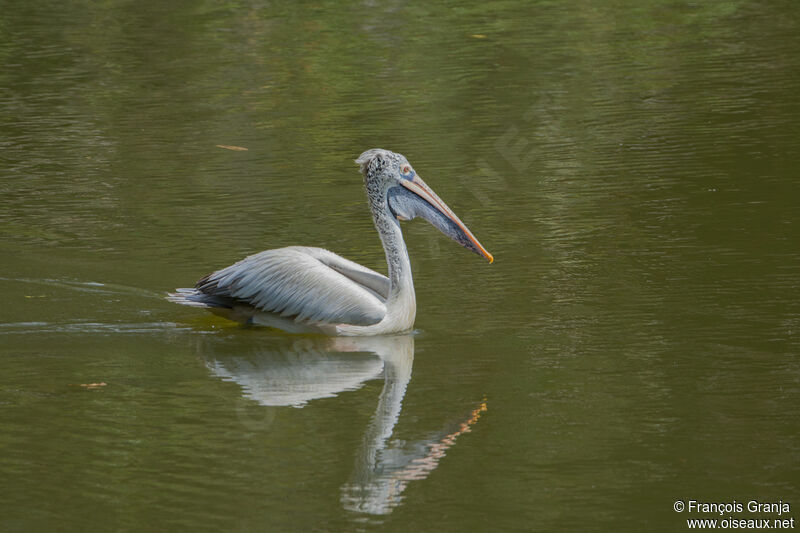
point(302, 289)
point(305, 283)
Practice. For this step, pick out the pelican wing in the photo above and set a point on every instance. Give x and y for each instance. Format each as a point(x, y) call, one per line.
point(307, 284)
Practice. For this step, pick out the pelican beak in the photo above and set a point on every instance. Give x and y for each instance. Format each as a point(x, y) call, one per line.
point(456, 230)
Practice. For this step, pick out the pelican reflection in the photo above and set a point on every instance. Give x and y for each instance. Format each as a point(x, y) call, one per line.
point(313, 368)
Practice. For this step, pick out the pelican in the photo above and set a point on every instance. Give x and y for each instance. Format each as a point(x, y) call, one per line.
point(303, 289)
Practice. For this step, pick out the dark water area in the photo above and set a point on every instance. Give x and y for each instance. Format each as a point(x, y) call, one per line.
point(632, 167)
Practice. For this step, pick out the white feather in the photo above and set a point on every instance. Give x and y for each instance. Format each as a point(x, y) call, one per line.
point(305, 283)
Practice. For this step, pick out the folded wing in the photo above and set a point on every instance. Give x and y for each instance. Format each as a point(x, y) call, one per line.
point(304, 283)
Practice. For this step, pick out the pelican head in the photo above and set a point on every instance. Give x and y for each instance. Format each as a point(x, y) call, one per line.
point(393, 185)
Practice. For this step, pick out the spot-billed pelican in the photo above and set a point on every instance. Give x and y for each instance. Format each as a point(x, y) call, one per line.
point(303, 289)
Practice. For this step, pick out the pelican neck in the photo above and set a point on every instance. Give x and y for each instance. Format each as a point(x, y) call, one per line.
point(397, 261)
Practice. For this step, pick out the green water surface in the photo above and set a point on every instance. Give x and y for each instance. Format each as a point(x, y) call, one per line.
point(632, 166)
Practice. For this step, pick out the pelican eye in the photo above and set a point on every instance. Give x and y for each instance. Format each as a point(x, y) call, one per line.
point(406, 169)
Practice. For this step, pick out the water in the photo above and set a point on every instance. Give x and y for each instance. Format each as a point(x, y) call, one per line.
point(630, 165)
